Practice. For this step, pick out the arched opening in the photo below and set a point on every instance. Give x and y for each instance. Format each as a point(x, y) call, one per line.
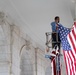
point(26, 64)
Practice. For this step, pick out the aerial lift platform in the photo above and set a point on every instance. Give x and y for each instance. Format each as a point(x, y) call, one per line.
point(53, 51)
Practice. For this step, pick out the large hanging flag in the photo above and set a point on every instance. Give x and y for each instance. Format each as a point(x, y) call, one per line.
point(72, 41)
point(68, 40)
point(55, 63)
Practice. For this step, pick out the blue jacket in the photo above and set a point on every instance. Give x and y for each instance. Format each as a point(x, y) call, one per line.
point(53, 24)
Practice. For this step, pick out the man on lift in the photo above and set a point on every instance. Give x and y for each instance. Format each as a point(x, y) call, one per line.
point(55, 35)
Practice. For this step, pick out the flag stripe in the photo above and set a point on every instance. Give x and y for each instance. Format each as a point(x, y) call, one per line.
point(72, 47)
point(70, 37)
point(65, 62)
point(73, 31)
point(73, 36)
point(72, 59)
point(68, 40)
point(68, 70)
point(72, 41)
point(54, 66)
point(70, 64)
point(70, 56)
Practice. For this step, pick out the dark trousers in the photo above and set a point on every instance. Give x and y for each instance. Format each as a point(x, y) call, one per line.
point(55, 40)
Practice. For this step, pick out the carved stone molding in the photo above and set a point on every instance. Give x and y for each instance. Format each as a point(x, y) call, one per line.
point(28, 45)
point(2, 18)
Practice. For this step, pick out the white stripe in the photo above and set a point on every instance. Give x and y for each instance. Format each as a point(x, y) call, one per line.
point(67, 63)
point(71, 56)
point(74, 41)
point(75, 73)
point(52, 68)
point(71, 65)
point(74, 67)
point(75, 29)
point(71, 47)
point(72, 60)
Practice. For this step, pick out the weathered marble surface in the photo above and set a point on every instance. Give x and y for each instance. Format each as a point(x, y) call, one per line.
point(19, 55)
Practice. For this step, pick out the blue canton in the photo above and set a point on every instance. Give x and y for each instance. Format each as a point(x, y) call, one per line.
point(63, 32)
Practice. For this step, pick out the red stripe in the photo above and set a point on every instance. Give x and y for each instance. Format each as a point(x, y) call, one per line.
point(70, 60)
point(54, 67)
point(69, 56)
point(73, 66)
point(69, 65)
point(72, 54)
point(74, 24)
point(70, 37)
point(74, 49)
point(65, 62)
point(73, 32)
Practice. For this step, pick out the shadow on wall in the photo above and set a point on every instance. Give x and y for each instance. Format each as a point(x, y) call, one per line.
point(26, 64)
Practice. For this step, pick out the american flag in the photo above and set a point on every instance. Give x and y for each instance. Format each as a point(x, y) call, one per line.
point(68, 40)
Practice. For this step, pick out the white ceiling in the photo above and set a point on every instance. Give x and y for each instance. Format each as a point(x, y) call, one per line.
point(34, 16)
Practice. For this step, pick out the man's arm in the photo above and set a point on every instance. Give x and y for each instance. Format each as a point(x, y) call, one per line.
point(64, 27)
point(53, 27)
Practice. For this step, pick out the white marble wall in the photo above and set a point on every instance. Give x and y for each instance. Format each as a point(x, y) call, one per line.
point(42, 63)
point(26, 59)
point(19, 55)
point(4, 46)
